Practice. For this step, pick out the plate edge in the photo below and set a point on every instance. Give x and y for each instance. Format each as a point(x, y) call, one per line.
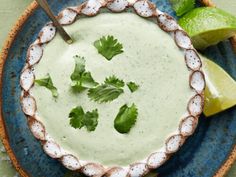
point(223, 169)
point(3, 56)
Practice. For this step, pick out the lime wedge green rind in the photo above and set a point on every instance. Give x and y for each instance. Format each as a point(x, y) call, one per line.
point(182, 6)
point(220, 92)
point(208, 26)
point(209, 38)
point(205, 19)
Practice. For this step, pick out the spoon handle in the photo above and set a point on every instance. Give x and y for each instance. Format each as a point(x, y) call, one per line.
point(44, 5)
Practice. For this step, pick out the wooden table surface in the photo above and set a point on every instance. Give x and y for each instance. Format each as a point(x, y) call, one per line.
point(10, 10)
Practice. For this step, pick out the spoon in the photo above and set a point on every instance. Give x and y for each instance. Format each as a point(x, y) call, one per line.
point(44, 5)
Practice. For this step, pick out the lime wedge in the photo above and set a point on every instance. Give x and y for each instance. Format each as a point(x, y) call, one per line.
point(182, 6)
point(208, 26)
point(229, 7)
point(220, 92)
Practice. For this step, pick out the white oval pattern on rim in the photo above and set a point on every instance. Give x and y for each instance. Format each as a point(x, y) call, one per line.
point(187, 125)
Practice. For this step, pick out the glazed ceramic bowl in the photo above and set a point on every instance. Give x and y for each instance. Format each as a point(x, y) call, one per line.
point(210, 151)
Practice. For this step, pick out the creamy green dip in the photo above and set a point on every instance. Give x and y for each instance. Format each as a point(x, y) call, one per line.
point(150, 59)
point(227, 5)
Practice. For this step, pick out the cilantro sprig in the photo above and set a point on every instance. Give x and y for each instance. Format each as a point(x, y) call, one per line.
point(79, 119)
point(113, 80)
point(104, 93)
point(81, 79)
point(108, 47)
point(132, 86)
point(47, 83)
point(126, 118)
point(111, 89)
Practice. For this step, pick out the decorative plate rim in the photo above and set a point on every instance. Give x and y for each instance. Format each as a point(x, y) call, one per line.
point(3, 133)
point(173, 142)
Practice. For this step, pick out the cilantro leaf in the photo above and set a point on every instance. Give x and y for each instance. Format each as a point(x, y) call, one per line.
point(108, 46)
point(113, 80)
point(110, 90)
point(104, 93)
point(77, 116)
point(47, 82)
point(132, 86)
point(79, 67)
point(91, 120)
point(126, 118)
point(86, 81)
point(81, 79)
point(79, 119)
point(182, 6)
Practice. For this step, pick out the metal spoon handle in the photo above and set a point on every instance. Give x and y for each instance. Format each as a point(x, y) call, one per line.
point(44, 5)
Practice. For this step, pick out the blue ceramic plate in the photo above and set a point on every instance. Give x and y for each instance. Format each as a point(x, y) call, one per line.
point(201, 156)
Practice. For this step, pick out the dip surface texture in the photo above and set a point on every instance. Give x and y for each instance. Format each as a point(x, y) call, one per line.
point(150, 58)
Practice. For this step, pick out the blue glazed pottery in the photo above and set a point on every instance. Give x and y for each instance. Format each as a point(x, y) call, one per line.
point(201, 156)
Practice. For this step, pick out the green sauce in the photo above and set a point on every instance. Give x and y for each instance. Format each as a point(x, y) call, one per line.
point(150, 59)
